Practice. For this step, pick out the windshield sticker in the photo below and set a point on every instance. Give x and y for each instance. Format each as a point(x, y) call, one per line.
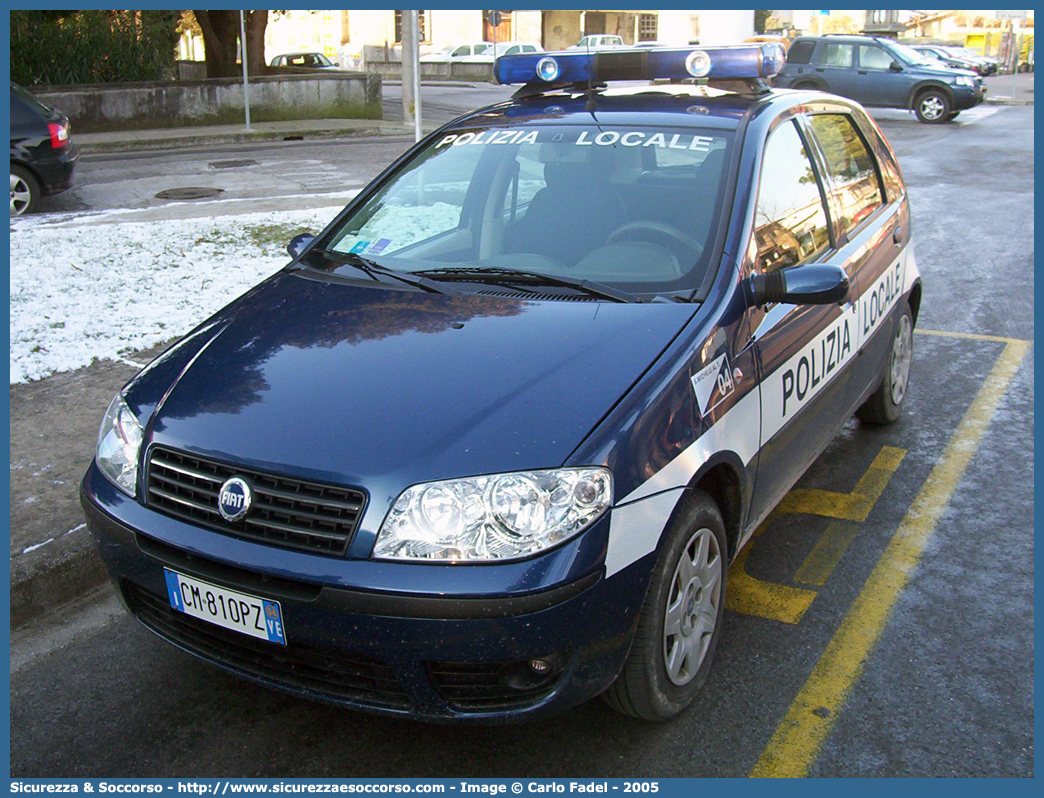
point(606, 138)
point(635, 138)
point(490, 137)
point(360, 247)
point(379, 246)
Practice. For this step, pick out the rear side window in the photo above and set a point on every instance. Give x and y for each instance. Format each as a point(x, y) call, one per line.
point(853, 171)
point(790, 221)
point(836, 55)
point(800, 52)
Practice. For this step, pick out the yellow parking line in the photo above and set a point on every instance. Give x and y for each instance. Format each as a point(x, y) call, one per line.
point(826, 554)
point(855, 505)
point(798, 739)
point(973, 336)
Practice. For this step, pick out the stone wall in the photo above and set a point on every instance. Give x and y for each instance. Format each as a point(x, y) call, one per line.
point(138, 106)
point(473, 73)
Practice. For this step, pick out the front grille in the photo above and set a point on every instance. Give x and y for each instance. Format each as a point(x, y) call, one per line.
point(486, 686)
point(331, 674)
point(285, 512)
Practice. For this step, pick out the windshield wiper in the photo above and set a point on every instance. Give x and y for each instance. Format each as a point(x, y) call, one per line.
point(490, 274)
point(372, 268)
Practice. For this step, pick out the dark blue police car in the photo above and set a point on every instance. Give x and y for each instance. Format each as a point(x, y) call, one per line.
point(485, 448)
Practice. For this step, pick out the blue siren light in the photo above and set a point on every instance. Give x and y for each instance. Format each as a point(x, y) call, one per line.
point(735, 62)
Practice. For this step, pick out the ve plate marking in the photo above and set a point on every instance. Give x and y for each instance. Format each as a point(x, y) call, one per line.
point(799, 737)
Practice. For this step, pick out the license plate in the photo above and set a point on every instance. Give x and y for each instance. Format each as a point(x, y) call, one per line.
point(230, 609)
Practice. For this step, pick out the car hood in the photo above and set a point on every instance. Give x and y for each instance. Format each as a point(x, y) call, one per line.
point(382, 387)
point(947, 72)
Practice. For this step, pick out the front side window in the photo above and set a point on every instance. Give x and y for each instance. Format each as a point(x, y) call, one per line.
point(632, 206)
point(790, 221)
point(835, 55)
point(874, 58)
point(853, 172)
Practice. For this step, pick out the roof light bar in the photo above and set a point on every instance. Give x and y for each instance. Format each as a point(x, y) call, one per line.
point(746, 61)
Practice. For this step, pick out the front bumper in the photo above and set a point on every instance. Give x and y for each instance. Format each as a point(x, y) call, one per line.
point(965, 97)
point(461, 653)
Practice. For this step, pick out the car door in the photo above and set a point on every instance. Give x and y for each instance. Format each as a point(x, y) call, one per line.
point(880, 84)
point(871, 223)
point(801, 349)
point(834, 65)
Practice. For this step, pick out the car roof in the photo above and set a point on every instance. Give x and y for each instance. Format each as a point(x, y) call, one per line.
point(669, 105)
point(849, 38)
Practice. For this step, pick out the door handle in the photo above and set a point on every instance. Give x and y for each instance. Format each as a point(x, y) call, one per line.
point(862, 71)
point(897, 236)
point(819, 69)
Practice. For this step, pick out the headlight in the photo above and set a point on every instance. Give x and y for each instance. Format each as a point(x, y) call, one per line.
point(964, 80)
point(499, 517)
point(119, 441)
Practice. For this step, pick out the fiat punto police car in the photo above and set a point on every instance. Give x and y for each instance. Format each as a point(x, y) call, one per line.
point(485, 448)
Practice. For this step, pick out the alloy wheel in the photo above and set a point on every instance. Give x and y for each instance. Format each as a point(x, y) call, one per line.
point(692, 607)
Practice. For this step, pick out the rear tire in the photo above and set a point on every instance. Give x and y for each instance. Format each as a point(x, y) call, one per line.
point(932, 106)
point(884, 405)
point(681, 620)
point(25, 191)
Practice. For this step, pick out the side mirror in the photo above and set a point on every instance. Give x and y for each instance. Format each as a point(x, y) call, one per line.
point(298, 243)
point(809, 284)
point(895, 66)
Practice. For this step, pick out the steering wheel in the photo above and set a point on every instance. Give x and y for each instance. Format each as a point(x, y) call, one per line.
point(685, 247)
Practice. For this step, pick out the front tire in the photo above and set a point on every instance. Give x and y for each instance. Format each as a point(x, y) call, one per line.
point(884, 406)
point(932, 107)
point(681, 619)
point(25, 191)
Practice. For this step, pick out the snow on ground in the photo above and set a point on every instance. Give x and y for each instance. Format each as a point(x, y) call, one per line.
point(95, 291)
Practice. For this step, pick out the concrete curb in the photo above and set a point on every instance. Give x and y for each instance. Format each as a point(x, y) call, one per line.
point(203, 139)
point(1006, 101)
point(47, 577)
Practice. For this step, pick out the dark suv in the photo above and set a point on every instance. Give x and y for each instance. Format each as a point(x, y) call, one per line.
point(880, 72)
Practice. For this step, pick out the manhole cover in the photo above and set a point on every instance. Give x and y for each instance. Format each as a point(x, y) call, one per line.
point(232, 164)
point(188, 193)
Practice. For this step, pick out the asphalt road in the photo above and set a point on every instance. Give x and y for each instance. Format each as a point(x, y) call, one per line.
point(937, 546)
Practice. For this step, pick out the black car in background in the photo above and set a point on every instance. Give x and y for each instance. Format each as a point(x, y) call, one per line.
point(43, 156)
point(952, 59)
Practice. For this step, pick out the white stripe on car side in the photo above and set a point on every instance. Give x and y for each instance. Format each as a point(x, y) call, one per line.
point(638, 520)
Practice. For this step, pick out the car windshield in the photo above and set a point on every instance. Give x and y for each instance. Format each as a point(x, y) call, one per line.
point(635, 207)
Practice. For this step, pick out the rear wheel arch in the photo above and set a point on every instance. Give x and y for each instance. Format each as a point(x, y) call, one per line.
point(914, 301)
point(807, 84)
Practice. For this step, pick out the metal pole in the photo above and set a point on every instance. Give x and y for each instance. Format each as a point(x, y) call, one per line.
point(1016, 46)
point(415, 26)
point(246, 82)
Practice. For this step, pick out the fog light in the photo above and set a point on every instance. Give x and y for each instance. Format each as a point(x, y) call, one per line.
point(540, 666)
